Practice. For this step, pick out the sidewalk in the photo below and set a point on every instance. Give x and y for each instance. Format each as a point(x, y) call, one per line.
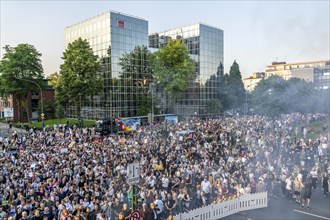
point(5, 128)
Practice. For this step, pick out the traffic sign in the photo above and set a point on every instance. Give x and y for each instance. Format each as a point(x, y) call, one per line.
point(135, 215)
point(8, 112)
point(133, 172)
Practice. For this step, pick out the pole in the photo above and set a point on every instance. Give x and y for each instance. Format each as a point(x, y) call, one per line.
point(41, 101)
point(111, 121)
point(80, 114)
point(245, 103)
point(7, 125)
point(152, 106)
point(117, 103)
point(133, 198)
point(21, 134)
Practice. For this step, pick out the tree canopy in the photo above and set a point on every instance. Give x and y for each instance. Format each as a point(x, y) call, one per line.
point(136, 76)
point(274, 96)
point(18, 66)
point(22, 61)
point(79, 75)
point(172, 67)
point(231, 89)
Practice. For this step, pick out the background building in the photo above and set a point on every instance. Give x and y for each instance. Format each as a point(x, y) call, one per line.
point(112, 35)
point(205, 46)
point(317, 72)
point(302, 70)
point(251, 82)
point(121, 42)
point(322, 77)
point(33, 99)
point(5, 103)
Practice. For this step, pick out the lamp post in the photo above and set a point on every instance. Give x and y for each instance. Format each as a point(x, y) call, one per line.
point(42, 107)
point(246, 99)
point(117, 103)
point(80, 118)
point(111, 111)
point(151, 88)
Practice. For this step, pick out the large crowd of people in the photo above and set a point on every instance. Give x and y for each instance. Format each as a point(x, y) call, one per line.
point(63, 174)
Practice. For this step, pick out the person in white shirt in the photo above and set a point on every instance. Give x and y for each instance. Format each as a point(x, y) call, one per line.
point(206, 187)
point(165, 183)
point(288, 188)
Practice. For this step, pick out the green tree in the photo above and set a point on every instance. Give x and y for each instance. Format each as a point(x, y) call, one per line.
point(274, 96)
point(172, 67)
point(53, 79)
point(231, 90)
point(223, 91)
point(19, 63)
point(79, 77)
point(135, 75)
point(213, 107)
point(235, 86)
point(267, 97)
point(48, 107)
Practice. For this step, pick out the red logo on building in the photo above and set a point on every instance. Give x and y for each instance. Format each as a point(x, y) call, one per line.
point(121, 23)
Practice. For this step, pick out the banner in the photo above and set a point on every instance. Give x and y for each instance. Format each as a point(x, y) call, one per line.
point(129, 124)
point(171, 119)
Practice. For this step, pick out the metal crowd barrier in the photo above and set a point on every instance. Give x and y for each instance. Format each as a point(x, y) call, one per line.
point(226, 208)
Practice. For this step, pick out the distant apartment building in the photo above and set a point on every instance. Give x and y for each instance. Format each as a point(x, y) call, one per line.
point(308, 71)
point(5, 103)
point(322, 77)
point(251, 82)
point(205, 46)
point(317, 72)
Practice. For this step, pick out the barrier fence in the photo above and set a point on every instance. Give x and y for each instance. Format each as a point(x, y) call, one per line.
point(223, 209)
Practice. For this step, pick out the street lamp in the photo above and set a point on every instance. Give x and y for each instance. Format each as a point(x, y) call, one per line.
point(80, 116)
point(117, 103)
point(42, 107)
point(152, 103)
point(246, 103)
point(111, 111)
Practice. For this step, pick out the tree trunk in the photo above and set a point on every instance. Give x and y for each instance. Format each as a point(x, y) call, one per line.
point(172, 103)
point(19, 104)
point(27, 108)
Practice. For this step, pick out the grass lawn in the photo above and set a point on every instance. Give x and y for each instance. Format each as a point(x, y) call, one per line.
point(52, 122)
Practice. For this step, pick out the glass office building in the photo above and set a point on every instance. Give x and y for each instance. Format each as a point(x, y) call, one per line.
point(122, 44)
point(120, 41)
point(205, 46)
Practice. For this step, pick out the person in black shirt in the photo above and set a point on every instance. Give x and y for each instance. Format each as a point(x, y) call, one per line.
point(307, 192)
point(325, 184)
point(126, 212)
point(61, 194)
point(47, 215)
point(152, 213)
point(36, 215)
point(170, 205)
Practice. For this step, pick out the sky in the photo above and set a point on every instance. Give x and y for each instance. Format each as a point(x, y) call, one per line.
point(256, 33)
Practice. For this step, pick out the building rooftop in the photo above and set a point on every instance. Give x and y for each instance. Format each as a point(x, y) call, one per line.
point(184, 26)
point(297, 63)
point(107, 12)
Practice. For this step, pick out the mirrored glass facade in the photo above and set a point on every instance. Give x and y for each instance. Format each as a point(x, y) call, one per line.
point(122, 45)
point(120, 41)
point(205, 46)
